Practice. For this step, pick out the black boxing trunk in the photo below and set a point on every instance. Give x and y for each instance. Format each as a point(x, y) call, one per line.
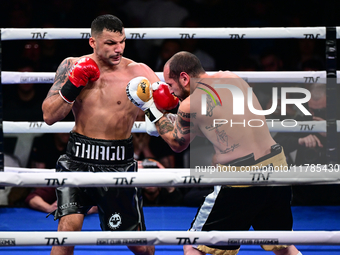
point(230, 208)
point(118, 208)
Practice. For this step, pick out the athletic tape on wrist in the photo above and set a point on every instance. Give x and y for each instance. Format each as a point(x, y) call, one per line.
point(69, 92)
point(69, 102)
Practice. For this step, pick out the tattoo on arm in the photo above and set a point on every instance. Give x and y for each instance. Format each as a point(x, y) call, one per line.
point(165, 126)
point(183, 126)
point(180, 140)
point(61, 77)
point(187, 115)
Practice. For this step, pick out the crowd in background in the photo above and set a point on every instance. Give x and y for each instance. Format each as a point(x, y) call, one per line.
point(23, 102)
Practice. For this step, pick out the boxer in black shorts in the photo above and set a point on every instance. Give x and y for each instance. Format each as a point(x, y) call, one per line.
point(237, 208)
point(83, 154)
point(93, 87)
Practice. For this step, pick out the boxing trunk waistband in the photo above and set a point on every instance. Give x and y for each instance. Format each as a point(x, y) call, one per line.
point(276, 158)
point(99, 151)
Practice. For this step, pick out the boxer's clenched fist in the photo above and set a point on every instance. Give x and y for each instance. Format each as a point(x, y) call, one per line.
point(83, 71)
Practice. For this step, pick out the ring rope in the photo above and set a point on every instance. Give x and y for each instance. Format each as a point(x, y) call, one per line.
point(9, 77)
point(19, 127)
point(206, 176)
point(172, 33)
point(72, 238)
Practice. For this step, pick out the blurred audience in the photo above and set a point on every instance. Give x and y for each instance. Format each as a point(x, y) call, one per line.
point(311, 150)
point(159, 196)
point(193, 46)
point(23, 101)
point(45, 152)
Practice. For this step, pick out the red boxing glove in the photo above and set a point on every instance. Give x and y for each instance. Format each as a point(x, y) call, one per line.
point(162, 97)
point(83, 71)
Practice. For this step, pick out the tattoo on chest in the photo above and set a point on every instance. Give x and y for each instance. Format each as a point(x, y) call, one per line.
point(230, 149)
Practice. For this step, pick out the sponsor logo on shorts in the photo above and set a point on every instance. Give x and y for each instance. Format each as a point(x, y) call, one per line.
point(115, 221)
point(7, 242)
point(99, 152)
point(113, 241)
point(257, 241)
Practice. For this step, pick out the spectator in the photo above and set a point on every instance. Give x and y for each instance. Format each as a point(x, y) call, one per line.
point(312, 65)
point(311, 149)
point(193, 46)
point(11, 161)
point(23, 101)
point(46, 150)
point(168, 49)
point(270, 60)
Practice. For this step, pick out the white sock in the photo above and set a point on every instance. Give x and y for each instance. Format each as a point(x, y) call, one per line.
point(299, 253)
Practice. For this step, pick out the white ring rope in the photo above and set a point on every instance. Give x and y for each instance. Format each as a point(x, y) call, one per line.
point(9, 77)
point(172, 33)
point(69, 238)
point(20, 127)
point(206, 176)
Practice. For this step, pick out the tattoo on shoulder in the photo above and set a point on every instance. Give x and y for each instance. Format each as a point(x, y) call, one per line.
point(60, 77)
point(210, 106)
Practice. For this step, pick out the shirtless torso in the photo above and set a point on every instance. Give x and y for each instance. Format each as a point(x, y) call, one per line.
point(234, 138)
point(102, 110)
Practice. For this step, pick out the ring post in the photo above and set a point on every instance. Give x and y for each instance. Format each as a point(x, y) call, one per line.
point(1, 115)
point(331, 93)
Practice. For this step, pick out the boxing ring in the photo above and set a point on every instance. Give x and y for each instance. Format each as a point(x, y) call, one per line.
point(169, 236)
